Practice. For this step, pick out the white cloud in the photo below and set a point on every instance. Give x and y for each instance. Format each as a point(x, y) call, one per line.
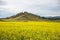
point(2, 2)
point(41, 7)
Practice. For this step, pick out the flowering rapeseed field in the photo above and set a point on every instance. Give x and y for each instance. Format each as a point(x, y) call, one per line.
point(29, 30)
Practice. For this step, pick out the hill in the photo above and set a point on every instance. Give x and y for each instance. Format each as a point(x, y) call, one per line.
point(24, 16)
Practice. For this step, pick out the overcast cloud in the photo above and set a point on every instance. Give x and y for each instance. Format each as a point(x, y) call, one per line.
point(39, 7)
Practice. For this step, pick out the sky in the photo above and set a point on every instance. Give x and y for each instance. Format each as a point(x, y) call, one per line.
point(38, 7)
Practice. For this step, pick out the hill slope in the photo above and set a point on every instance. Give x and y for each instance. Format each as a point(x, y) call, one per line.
point(24, 16)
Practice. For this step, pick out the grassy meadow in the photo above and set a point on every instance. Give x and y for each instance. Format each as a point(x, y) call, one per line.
point(29, 30)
